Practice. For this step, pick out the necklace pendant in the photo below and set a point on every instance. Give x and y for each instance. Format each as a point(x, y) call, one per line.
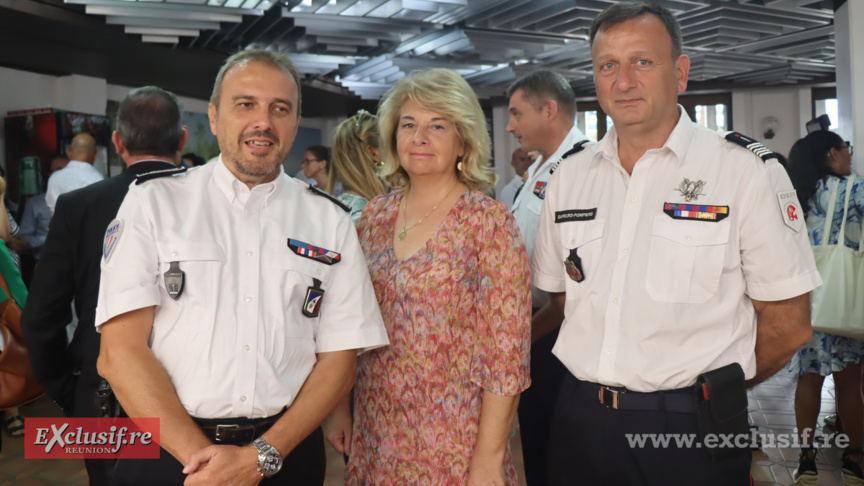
point(402, 235)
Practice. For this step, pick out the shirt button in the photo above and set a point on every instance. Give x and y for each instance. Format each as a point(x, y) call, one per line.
point(615, 300)
point(243, 398)
point(230, 194)
point(248, 299)
point(248, 253)
point(573, 242)
point(626, 250)
point(634, 199)
point(688, 237)
point(247, 347)
point(608, 352)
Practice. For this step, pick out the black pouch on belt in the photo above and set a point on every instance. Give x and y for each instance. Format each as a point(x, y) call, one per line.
point(721, 412)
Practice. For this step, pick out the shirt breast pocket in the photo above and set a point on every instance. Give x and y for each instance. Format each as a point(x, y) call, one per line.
point(586, 237)
point(686, 260)
point(298, 275)
point(200, 263)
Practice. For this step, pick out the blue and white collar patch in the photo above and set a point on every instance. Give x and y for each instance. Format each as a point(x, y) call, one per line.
point(112, 235)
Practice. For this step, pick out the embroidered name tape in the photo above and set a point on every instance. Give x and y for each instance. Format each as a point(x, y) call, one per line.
point(112, 235)
point(540, 189)
point(320, 255)
point(699, 212)
point(575, 215)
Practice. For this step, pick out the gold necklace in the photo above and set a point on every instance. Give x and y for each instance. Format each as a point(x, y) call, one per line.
point(405, 229)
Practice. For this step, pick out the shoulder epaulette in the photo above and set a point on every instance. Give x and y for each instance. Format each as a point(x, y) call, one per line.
point(752, 145)
point(156, 174)
point(577, 147)
point(319, 192)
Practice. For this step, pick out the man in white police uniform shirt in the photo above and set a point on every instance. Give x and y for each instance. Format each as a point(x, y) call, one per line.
point(676, 257)
point(234, 299)
point(542, 110)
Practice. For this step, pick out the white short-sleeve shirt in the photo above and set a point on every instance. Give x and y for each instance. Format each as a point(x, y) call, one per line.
point(236, 342)
point(75, 175)
point(529, 202)
point(668, 282)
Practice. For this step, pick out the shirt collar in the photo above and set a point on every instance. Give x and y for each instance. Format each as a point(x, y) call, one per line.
point(678, 141)
point(573, 136)
point(235, 190)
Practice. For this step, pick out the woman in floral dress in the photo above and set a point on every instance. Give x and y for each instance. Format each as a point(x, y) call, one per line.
point(818, 162)
point(451, 275)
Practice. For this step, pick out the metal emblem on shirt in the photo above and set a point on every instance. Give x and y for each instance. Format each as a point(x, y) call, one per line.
point(174, 280)
point(112, 234)
point(314, 295)
point(540, 189)
point(790, 207)
point(573, 265)
point(699, 212)
point(320, 255)
point(690, 189)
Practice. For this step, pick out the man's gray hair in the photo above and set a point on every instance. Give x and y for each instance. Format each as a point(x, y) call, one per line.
point(149, 122)
point(538, 87)
point(273, 58)
point(624, 11)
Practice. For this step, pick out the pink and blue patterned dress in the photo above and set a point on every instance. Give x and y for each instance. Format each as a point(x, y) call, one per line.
point(458, 315)
point(827, 353)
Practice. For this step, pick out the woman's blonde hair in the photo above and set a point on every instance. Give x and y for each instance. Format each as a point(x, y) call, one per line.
point(350, 163)
point(446, 93)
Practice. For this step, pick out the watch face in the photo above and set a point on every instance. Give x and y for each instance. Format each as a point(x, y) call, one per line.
point(272, 464)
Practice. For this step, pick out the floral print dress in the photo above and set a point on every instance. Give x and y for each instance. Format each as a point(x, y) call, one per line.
point(458, 315)
point(829, 353)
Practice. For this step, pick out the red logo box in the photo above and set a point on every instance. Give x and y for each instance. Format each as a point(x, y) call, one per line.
point(91, 438)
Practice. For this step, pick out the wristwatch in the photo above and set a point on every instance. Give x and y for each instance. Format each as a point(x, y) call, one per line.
point(269, 459)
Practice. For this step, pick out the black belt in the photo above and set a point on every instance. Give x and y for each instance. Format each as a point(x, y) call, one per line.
point(236, 431)
point(681, 400)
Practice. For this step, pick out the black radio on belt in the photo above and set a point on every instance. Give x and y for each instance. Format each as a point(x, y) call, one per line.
point(721, 410)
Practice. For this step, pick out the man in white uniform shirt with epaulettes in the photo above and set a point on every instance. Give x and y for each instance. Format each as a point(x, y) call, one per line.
point(682, 264)
point(542, 111)
point(234, 299)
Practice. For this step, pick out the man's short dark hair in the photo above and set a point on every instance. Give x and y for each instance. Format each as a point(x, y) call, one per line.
point(538, 87)
point(149, 122)
point(242, 58)
point(624, 11)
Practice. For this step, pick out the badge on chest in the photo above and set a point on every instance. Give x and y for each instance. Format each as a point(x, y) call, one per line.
point(312, 303)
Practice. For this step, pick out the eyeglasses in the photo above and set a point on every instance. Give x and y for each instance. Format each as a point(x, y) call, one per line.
point(309, 161)
point(849, 147)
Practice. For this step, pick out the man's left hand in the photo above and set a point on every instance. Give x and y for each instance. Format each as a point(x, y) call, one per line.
point(223, 464)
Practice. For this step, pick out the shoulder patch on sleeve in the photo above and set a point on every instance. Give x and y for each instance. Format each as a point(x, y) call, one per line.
point(156, 174)
point(319, 192)
point(752, 145)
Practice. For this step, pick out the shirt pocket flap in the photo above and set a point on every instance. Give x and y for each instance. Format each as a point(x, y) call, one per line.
point(691, 233)
point(577, 234)
point(185, 251)
point(306, 266)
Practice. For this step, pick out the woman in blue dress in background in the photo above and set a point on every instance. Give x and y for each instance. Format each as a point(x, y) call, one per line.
point(817, 162)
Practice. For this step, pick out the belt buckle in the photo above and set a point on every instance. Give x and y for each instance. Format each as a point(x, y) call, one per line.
point(609, 397)
point(224, 430)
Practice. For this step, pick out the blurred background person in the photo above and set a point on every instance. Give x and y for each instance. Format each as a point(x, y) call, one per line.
point(37, 215)
point(520, 161)
point(816, 163)
point(354, 158)
point(451, 275)
point(78, 173)
point(190, 160)
point(316, 163)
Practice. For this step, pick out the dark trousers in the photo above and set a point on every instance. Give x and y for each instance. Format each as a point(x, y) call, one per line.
point(304, 466)
point(536, 407)
point(98, 470)
point(588, 446)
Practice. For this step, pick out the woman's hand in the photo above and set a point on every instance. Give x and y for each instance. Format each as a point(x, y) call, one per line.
point(485, 472)
point(337, 427)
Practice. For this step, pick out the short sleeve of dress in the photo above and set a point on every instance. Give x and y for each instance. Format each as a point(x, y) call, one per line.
point(500, 359)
